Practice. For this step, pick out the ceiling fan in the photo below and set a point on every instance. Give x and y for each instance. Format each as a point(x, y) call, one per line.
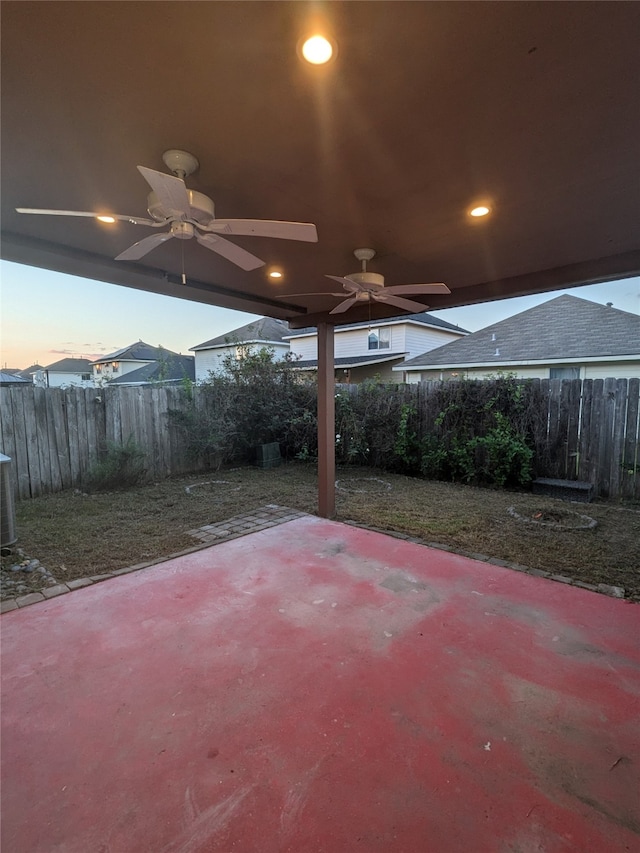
point(191, 214)
point(369, 287)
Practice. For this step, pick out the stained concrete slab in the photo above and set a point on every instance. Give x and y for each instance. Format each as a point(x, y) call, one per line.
point(317, 687)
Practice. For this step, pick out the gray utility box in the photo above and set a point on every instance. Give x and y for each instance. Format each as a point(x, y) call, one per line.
point(7, 508)
point(268, 455)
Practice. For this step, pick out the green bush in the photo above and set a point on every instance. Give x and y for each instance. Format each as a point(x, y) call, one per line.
point(254, 400)
point(122, 466)
point(481, 433)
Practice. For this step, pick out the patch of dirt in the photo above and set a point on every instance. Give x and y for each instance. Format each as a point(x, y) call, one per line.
point(555, 518)
point(77, 535)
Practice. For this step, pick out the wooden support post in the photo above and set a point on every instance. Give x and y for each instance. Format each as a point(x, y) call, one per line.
point(326, 423)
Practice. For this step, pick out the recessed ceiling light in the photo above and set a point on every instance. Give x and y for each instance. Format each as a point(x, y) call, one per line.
point(275, 274)
point(481, 210)
point(105, 218)
point(317, 50)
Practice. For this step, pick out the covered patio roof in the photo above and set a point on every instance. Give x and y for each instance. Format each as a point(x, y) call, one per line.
point(426, 110)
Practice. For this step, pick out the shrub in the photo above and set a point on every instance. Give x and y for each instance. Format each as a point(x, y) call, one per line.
point(254, 400)
point(122, 466)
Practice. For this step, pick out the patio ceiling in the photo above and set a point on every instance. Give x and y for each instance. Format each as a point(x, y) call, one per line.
point(427, 109)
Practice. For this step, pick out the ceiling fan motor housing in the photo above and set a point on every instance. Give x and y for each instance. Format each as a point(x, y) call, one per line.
point(201, 208)
point(370, 280)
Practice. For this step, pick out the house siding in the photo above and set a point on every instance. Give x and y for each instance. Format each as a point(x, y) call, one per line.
point(124, 368)
point(352, 343)
point(602, 370)
point(212, 360)
point(63, 380)
point(382, 372)
point(418, 340)
point(305, 348)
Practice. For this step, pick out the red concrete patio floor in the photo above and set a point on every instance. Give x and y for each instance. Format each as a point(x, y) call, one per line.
point(316, 687)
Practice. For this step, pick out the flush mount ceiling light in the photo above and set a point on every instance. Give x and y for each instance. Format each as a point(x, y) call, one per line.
point(317, 50)
point(479, 211)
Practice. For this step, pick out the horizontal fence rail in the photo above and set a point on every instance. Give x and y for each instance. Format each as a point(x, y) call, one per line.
point(54, 435)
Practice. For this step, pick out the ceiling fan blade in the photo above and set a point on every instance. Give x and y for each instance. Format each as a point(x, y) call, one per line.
point(344, 306)
point(240, 257)
point(135, 220)
point(304, 231)
point(415, 289)
point(171, 191)
point(413, 307)
point(139, 249)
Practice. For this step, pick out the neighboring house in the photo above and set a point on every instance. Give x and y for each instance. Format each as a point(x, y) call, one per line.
point(174, 369)
point(371, 350)
point(124, 360)
point(8, 378)
point(263, 333)
point(29, 373)
point(566, 337)
point(64, 373)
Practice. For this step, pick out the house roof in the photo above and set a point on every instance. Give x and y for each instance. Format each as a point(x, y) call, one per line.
point(173, 369)
point(427, 109)
point(28, 372)
point(266, 330)
point(422, 319)
point(70, 365)
point(138, 351)
point(11, 379)
point(560, 329)
point(357, 361)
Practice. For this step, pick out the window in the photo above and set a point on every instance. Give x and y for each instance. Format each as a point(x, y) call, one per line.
point(564, 373)
point(98, 368)
point(86, 377)
point(115, 365)
point(379, 338)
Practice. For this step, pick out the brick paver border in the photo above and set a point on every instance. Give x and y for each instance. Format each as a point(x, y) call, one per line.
point(269, 516)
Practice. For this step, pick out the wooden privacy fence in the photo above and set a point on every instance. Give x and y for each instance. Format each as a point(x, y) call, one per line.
point(55, 435)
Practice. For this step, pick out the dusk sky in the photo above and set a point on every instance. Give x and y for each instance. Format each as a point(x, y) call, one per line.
point(48, 316)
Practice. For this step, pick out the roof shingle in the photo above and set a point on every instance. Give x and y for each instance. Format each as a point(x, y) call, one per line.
point(566, 327)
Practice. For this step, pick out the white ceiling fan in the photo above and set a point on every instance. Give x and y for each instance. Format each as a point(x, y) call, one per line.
point(370, 287)
point(191, 214)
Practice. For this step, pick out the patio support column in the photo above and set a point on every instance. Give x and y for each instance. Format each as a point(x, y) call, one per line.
point(326, 423)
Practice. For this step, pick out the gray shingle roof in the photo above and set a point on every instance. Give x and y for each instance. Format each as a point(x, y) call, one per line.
point(70, 365)
point(28, 372)
point(356, 361)
point(135, 352)
point(12, 379)
point(423, 318)
point(172, 369)
point(264, 330)
point(562, 328)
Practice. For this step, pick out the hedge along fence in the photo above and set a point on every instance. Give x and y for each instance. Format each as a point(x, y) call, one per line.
point(586, 430)
point(577, 429)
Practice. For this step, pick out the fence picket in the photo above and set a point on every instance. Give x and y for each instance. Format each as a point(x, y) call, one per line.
point(630, 477)
point(58, 439)
point(7, 437)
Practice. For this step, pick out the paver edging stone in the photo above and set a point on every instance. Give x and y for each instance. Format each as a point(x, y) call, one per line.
point(209, 534)
point(601, 588)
